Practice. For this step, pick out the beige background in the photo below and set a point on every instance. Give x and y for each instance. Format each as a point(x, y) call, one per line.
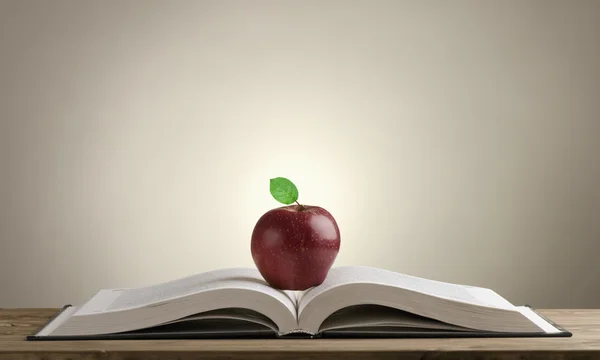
point(452, 140)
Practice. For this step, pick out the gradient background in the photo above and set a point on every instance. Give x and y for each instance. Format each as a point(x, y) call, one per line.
point(457, 141)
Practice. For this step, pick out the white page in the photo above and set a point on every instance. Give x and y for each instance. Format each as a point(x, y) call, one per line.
point(233, 278)
point(539, 321)
point(363, 274)
point(102, 301)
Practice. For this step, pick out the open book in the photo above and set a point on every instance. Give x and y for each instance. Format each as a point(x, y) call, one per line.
point(353, 301)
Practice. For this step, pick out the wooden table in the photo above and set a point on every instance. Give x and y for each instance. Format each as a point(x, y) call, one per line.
point(15, 324)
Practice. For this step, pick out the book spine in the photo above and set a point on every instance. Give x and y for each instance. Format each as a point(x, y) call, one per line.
point(297, 333)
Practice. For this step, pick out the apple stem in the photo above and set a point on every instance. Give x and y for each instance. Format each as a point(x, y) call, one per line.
point(301, 207)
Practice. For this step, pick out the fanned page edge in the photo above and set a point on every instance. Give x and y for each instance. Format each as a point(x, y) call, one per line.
point(385, 277)
point(58, 318)
point(44, 332)
point(353, 276)
point(540, 321)
point(102, 302)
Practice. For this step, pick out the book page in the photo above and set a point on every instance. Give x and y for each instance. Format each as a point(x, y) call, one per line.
point(230, 314)
point(374, 316)
point(538, 320)
point(362, 274)
point(233, 278)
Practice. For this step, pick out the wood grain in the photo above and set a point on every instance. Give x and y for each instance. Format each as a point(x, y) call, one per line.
point(15, 324)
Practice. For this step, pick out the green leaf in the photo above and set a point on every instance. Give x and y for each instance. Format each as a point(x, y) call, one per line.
point(283, 190)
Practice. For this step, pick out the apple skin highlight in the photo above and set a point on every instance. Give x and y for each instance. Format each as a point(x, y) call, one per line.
point(294, 246)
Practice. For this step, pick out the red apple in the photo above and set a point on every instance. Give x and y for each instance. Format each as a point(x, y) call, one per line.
point(294, 246)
